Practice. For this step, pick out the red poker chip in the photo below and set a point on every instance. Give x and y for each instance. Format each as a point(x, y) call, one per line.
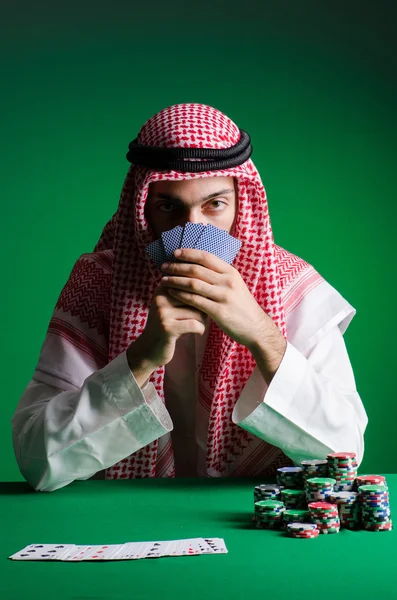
point(342, 455)
point(372, 479)
point(322, 506)
point(315, 533)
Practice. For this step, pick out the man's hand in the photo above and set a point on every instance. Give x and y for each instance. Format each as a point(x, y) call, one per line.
point(214, 287)
point(168, 319)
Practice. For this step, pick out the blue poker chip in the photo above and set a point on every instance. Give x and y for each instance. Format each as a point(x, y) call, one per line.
point(290, 470)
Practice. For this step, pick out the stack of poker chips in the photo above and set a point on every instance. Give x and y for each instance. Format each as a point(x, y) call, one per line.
point(293, 515)
point(303, 530)
point(290, 478)
point(294, 498)
point(269, 514)
point(266, 492)
point(343, 467)
point(319, 489)
point(349, 509)
point(314, 468)
point(375, 507)
point(369, 480)
point(325, 516)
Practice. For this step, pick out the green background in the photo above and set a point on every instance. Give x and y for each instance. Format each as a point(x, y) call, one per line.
point(314, 84)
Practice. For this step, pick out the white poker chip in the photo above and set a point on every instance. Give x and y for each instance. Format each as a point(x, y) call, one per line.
point(343, 496)
point(301, 526)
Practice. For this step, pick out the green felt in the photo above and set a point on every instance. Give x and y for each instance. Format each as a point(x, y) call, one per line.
point(259, 564)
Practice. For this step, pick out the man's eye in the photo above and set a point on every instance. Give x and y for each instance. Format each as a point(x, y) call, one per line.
point(219, 202)
point(166, 204)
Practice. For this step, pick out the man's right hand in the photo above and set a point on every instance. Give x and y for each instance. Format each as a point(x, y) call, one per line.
point(168, 319)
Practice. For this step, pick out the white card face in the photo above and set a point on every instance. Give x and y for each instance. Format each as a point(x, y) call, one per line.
point(104, 552)
point(217, 545)
point(134, 550)
point(43, 552)
point(204, 547)
point(176, 548)
point(158, 549)
point(78, 553)
point(191, 547)
point(128, 551)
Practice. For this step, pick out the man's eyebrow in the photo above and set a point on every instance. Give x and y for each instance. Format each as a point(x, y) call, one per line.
point(178, 199)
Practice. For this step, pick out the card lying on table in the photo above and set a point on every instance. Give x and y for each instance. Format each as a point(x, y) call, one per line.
point(128, 551)
point(194, 235)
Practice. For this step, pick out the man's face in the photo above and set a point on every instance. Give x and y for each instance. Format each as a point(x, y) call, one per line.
point(208, 200)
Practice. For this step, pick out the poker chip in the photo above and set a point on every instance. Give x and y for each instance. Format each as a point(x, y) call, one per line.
point(269, 513)
point(326, 517)
point(369, 480)
point(343, 468)
point(319, 488)
point(302, 530)
point(349, 509)
point(322, 496)
point(269, 506)
point(314, 468)
point(293, 498)
point(290, 477)
point(266, 492)
point(375, 507)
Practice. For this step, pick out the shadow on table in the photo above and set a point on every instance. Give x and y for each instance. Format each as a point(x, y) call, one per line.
point(241, 520)
point(15, 488)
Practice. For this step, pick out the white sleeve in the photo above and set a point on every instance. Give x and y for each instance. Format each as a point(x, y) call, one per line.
point(311, 406)
point(60, 436)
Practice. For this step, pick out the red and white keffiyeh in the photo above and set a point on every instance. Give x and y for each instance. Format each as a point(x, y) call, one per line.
point(104, 305)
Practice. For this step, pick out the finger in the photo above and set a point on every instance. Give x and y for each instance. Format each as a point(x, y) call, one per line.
point(201, 257)
point(196, 286)
point(189, 312)
point(193, 271)
point(188, 326)
point(207, 306)
point(163, 298)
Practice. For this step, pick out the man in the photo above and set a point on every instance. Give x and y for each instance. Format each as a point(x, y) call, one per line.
point(125, 388)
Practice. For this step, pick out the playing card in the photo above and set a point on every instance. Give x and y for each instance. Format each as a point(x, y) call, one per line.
point(193, 546)
point(158, 549)
point(190, 235)
point(203, 546)
point(171, 240)
point(43, 552)
point(105, 552)
point(217, 545)
point(134, 550)
point(156, 252)
point(230, 247)
point(218, 242)
point(78, 553)
point(177, 548)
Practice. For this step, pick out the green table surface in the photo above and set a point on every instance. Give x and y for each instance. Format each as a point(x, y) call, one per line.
point(259, 563)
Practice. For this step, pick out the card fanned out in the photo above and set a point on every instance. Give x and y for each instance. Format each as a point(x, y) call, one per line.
point(194, 235)
point(128, 551)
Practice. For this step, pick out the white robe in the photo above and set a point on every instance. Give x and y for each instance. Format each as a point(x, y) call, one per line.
point(310, 408)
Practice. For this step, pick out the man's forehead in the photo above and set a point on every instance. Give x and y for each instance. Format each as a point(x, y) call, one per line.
point(202, 184)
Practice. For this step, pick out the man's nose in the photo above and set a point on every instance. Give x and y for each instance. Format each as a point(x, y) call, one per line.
point(195, 216)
